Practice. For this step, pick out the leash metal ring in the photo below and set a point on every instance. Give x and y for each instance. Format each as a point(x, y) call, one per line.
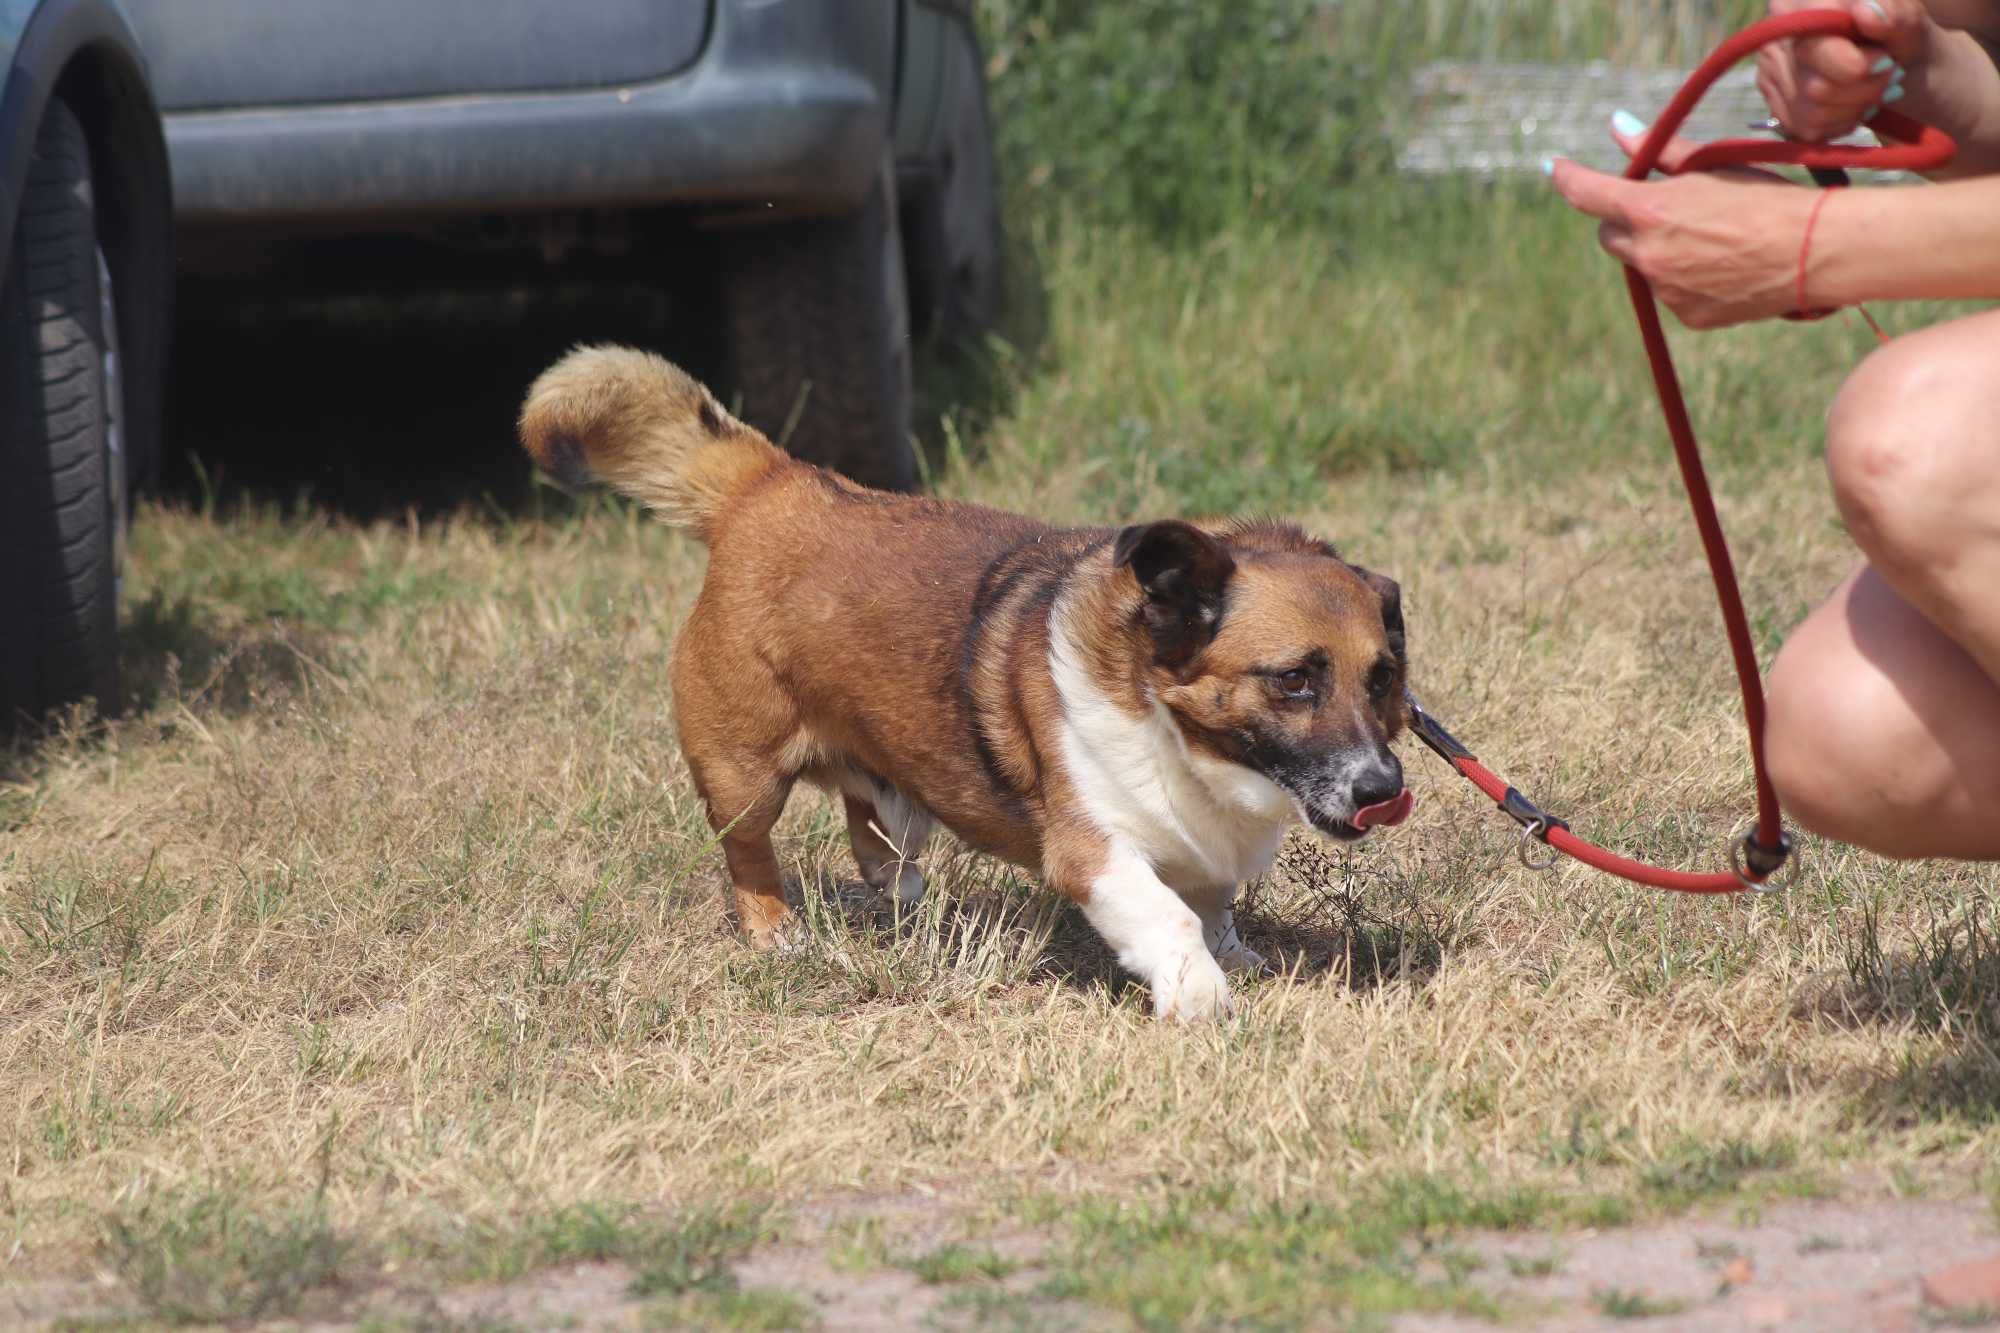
point(1530, 831)
point(1777, 883)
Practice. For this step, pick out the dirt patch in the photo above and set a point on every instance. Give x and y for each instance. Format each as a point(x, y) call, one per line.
point(1804, 1265)
point(581, 1296)
point(38, 1304)
point(1794, 1266)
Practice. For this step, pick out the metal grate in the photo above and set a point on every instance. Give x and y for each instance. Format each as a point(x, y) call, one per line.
point(1491, 119)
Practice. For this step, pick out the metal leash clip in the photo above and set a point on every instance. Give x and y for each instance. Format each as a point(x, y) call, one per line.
point(1535, 823)
point(1529, 832)
point(1748, 857)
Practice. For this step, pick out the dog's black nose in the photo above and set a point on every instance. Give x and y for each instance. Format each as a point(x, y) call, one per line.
point(1381, 781)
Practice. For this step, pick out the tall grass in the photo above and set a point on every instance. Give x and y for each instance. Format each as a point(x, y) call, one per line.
point(1185, 118)
point(1248, 305)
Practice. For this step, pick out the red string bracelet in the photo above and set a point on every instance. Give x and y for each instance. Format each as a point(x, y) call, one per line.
point(1799, 308)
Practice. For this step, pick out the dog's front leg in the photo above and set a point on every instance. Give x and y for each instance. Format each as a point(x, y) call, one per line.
point(1156, 935)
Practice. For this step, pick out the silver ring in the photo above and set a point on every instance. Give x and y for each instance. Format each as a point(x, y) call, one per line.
point(1777, 883)
point(1534, 830)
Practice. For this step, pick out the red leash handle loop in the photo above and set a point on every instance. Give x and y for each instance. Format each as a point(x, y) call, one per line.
point(1763, 850)
point(1931, 149)
point(1923, 148)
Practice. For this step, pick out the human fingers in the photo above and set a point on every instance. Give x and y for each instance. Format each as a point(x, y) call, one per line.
point(1839, 79)
point(1823, 87)
point(1594, 192)
point(1629, 133)
point(1618, 242)
point(1899, 27)
point(1826, 109)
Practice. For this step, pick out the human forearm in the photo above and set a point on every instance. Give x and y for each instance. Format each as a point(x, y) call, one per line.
point(1933, 242)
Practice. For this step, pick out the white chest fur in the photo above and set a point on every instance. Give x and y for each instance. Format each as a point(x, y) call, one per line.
point(1199, 822)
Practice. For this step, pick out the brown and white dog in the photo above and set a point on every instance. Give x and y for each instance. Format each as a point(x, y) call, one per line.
point(1136, 715)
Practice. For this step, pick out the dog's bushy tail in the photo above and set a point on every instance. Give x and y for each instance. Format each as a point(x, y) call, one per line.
point(643, 426)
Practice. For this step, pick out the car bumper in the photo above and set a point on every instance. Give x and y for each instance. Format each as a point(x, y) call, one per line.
point(787, 110)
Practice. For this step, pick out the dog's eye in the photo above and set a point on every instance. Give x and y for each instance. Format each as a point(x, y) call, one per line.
point(1380, 679)
point(1296, 684)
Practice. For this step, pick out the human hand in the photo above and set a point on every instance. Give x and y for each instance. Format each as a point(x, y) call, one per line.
point(1821, 88)
point(1718, 248)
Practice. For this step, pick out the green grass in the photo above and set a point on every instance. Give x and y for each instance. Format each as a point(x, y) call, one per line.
point(211, 1258)
point(959, 1263)
point(694, 1255)
point(1209, 1257)
point(1620, 1304)
point(750, 1310)
point(1694, 1170)
point(1201, 380)
point(1535, 1265)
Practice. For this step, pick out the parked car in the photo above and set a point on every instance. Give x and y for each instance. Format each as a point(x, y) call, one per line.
point(86, 239)
point(833, 160)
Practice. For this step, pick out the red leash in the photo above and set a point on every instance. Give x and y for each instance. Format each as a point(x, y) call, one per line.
point(1757, 854)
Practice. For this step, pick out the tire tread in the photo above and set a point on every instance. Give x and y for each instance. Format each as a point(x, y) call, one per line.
point(58, 614)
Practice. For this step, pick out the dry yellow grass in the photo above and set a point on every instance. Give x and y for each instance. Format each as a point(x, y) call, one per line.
point(390, 905)
point(423, 911)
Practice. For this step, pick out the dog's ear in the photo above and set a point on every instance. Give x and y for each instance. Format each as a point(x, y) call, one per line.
point(1184, 573)
point(1390, 594)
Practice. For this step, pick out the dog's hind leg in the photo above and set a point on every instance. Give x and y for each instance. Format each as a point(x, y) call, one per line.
point(887, 831)
point(1218, 931)
point(744, 748)
point(744, 801)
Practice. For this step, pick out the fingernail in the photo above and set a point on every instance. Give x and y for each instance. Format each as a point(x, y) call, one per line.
point(1885, 62)
point(1627, 124)
point(1548, 166)
point(1876, 5)
point(1895, 93)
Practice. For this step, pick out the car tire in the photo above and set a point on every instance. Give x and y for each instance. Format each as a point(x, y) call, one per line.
point(818, 323)
point(62, 493)
point(952, 218)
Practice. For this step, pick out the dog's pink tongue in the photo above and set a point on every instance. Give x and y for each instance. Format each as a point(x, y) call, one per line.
point(1392, 811)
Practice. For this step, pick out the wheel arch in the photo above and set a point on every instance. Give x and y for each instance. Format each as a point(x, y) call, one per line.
point(82, 52)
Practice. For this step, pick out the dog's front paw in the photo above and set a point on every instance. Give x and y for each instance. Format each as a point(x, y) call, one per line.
point(1192, 989)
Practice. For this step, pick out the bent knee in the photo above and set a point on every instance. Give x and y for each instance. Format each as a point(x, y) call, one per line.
point(1899, 439)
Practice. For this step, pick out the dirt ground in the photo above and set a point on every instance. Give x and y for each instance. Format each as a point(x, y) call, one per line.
point(1822, 1264)
point(1797, 1265)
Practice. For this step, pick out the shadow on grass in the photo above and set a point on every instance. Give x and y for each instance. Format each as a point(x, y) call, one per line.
point(984, 925)
point(1325, 926)
point(167, 649)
